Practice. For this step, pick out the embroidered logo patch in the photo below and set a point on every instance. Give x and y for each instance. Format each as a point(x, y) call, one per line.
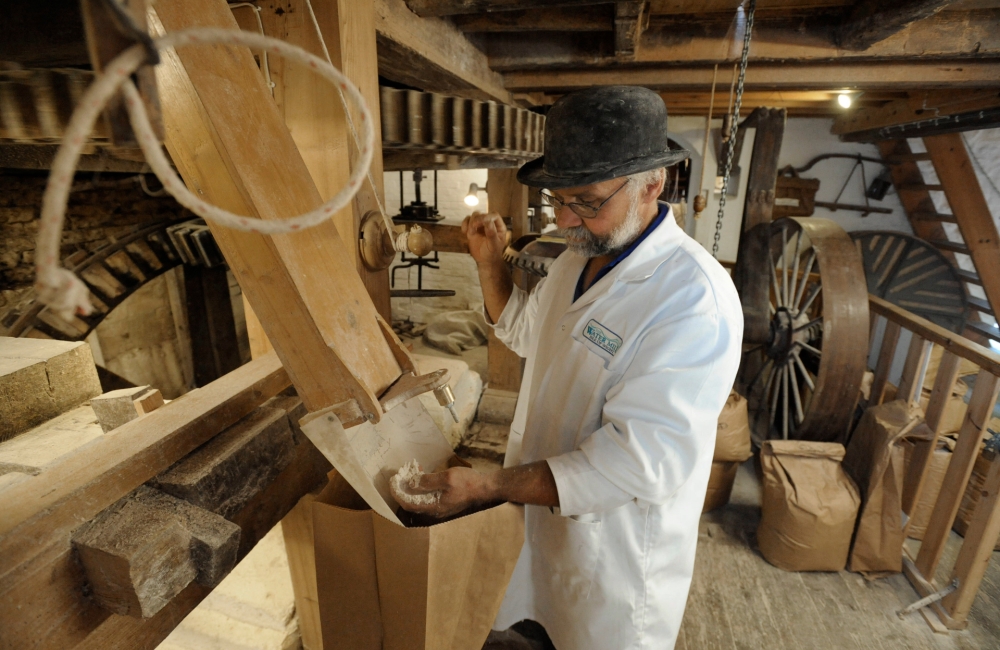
point(602, 337)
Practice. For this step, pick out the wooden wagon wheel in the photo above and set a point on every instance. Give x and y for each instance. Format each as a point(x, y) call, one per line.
point(805, 306)
point(911, 273)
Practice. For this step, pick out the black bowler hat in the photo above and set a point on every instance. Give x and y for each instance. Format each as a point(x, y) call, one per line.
point(602, 133)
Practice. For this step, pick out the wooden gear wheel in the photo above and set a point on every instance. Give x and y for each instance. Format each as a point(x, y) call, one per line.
point(805, 340)
point(911, 273)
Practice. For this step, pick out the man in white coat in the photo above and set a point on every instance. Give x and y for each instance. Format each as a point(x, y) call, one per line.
point(632, 345)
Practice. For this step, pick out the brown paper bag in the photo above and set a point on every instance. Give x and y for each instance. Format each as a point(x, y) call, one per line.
point(720, 485)
point(875, 462)
point(383, 586)
point(809, 506)
point(732, 434)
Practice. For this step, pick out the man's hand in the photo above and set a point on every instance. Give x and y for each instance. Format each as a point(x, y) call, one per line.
point(487, 235)
point(460, 488)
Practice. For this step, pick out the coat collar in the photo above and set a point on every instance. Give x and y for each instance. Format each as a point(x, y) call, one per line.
point(658, 246)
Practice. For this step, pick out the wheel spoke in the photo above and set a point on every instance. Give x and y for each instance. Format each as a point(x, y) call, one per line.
point(802, 369)
point(784, 404)
point(805, 281)
point(784, 264)
point(795, 264)
point(809, 300)
point(777, 393)
point(800, 416)
point(774, 283)
point(815, 321)
point(760, 373)
point(806, 346)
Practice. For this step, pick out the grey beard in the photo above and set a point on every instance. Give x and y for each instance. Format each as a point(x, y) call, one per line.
point(583, 242)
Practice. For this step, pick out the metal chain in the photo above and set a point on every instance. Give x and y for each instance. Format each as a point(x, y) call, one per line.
point(732, 137)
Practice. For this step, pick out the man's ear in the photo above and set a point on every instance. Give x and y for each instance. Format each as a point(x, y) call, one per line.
point(653, 191)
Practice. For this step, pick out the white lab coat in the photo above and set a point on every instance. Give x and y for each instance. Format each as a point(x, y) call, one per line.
point(621, 394)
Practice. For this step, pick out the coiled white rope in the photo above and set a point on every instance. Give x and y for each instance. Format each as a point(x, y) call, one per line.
point(63, 292)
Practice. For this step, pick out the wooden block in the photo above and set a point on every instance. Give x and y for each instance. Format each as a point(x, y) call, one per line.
point(146, 548)
point(148, 401)
point(40, 379)
point(117, 407)
point(225, 473)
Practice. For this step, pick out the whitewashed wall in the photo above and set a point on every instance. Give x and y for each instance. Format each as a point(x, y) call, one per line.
point(458, 271)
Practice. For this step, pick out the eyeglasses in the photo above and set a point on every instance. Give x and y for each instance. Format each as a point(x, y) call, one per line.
point(582, 210)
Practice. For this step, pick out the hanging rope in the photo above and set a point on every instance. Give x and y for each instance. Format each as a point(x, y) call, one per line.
point(62, 291)
point(732, 137)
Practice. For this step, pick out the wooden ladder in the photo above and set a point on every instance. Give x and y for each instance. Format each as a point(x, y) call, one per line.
point(969, 211)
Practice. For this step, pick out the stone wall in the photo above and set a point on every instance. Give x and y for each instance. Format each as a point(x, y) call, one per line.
point(101, 209)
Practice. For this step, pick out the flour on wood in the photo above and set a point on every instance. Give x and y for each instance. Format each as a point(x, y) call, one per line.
point(405, 480)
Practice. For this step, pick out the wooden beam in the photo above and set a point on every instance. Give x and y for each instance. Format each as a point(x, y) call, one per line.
point(214, 347)
point(629, 18)
point(770, 125)
point(452, 7)
point(432, 54)
point(872, 21)
point(885, 75)
point(40, 582)
point(983, 357)
point(302, 286)
point(698, 39)
point(917, 106)
point(598, 18)
point(965, 196)
point(314, 114)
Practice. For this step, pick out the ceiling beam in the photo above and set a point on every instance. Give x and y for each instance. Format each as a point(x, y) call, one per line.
point(432, 54)
point(690, 39)
point(426, 8)
point(598, 18)
point(916, 107)
point(886, 75)
point(628, 27)
point(872, 21)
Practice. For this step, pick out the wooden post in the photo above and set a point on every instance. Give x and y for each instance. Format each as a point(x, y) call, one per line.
point(219, 116)
point(214, 349)
point(510, 199)
point(984, 396)
point(313, 112)
point(884, 364)
point(763, 173)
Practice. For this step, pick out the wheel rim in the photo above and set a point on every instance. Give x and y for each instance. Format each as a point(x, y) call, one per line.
point(806, 332)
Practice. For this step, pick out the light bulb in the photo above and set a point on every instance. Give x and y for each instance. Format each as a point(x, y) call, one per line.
point(844, 100)
point(472, 198)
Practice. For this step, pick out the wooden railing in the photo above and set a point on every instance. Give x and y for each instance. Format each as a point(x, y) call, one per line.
point(952, 610)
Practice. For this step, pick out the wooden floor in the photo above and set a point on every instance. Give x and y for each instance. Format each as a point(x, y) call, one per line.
point(738, 601)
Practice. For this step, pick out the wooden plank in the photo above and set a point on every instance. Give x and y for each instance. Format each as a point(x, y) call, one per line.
point(914, 108)
point(40, 379)
point(984, 396)
point(884, 364)
point(508, 198)
point(40, 583)
point(763, 174)
point(877, 74)
point(452, 7)
point(326, 333)
point(432, 54)
point(212, 327)
point(871, 21)
point(629, 19)
point(983, 357)
point(314, 114)
point(923, 450)
point(595, 18)
point(917, 356)
point(297, 528)
point(980, 539)
point(965, 196)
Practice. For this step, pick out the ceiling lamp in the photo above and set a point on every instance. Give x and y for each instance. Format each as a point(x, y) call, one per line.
point(844, 100)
